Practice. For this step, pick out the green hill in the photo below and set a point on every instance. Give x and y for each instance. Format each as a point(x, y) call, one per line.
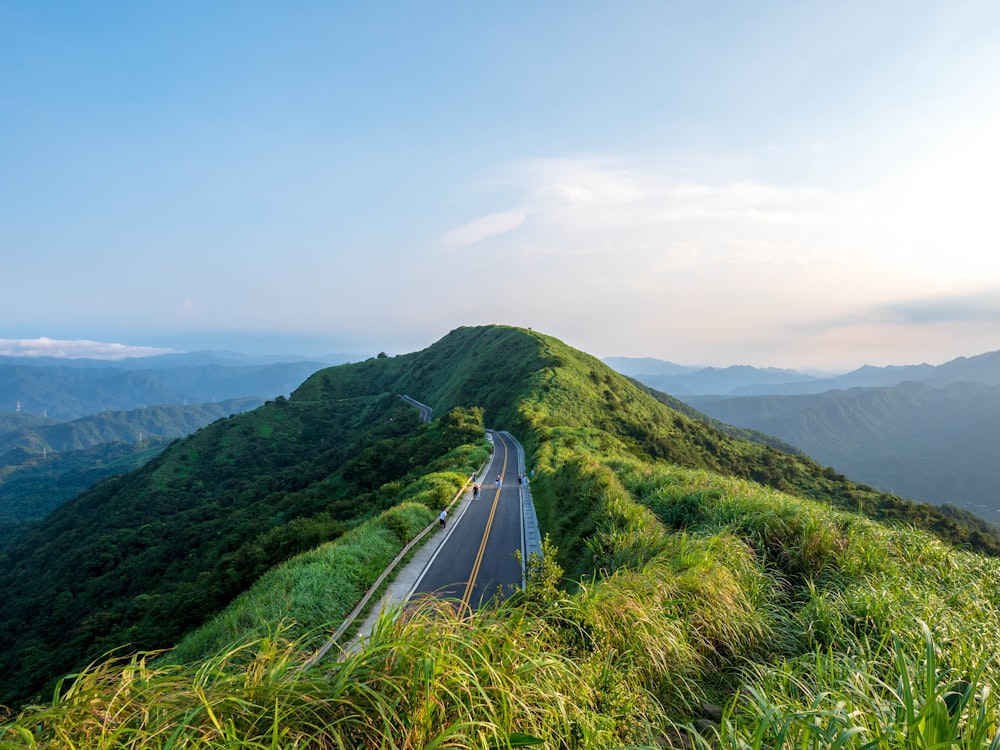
point(699, 567)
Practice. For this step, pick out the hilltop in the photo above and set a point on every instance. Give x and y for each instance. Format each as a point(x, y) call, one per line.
point(686, 563)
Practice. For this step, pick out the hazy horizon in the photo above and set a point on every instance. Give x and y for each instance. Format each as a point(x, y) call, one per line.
point(86, 349)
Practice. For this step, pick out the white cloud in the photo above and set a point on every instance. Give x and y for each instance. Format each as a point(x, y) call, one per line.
point(486, 226)
point(595, 192)
point(74, 349)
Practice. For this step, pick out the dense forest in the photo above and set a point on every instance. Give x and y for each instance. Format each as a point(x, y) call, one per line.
point(687, 567)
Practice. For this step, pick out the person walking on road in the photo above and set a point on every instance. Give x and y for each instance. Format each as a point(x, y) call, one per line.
point(444, 515)
point(475, 491)
point(498, 481)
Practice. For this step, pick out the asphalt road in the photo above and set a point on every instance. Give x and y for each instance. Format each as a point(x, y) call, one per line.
point(476, 562)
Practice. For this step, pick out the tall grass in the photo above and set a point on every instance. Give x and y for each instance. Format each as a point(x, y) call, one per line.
point(889, 698)
point(806, 623)
point(431, 679)
point(837, 661)
point(313, 592)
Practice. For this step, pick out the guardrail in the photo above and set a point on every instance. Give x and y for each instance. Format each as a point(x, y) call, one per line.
point(531, 539)
point(425, 410)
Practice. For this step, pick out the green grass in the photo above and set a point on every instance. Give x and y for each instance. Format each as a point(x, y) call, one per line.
point(311, 594)
point(806, 648)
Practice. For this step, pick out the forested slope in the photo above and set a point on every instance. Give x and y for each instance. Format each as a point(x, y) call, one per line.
point(44, 462)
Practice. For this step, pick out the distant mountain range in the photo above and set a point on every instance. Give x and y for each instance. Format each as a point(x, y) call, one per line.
point(44, 462)
point(66, 389)
point(921, 431)
point(742, 380)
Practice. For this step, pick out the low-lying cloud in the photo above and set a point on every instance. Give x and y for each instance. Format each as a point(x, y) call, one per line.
point(74, 349)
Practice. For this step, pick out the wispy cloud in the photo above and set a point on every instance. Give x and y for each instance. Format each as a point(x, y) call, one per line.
point(74, 349)
point(605, 205)
point(981, 307)
point(984, 307)
point(657, 192)
point(486, 226)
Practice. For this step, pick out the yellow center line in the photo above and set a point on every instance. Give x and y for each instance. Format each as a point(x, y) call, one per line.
point(486, 535)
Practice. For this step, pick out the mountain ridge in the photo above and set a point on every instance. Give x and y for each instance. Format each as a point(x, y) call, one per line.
point(753, 381)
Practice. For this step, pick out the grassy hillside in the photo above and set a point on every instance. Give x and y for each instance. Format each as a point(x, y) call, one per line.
point(688, 568)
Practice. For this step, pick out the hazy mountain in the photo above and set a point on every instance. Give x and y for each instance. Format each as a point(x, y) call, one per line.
point(633, 366)
point(936, 444)
point(683, 381)
point(176, 359)
point(68, 389)
point(745, 380)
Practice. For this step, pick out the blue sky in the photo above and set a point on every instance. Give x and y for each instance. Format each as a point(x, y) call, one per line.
point(775, 183)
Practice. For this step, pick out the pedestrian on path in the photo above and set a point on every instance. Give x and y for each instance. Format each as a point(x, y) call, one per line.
point(475, 491)
point(444, 515)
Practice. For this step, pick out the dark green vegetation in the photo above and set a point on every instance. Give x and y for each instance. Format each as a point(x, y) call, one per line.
point(700, 567)
point(934, 444)
point(44, 462)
